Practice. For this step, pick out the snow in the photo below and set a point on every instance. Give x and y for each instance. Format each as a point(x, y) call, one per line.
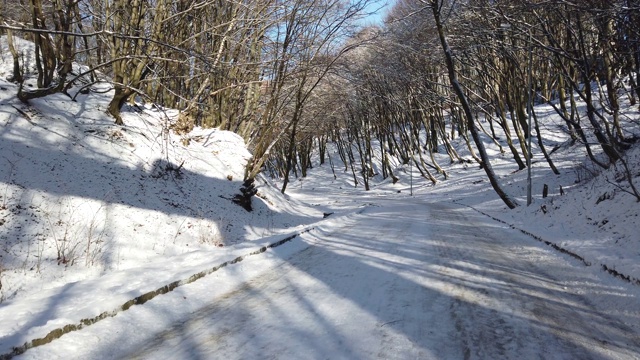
point(92, 216)
point(372, 285)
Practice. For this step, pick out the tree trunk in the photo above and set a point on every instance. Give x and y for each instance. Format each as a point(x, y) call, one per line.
point(453, 78)
point(17, 74)
point(289, 156)
point(119, 98)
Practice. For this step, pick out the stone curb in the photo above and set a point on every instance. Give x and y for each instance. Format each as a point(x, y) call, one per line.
point(139, 300)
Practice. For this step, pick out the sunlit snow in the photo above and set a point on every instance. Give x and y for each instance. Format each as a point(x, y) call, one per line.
point(93, 215)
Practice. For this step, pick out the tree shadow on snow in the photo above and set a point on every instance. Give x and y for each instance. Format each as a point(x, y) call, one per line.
point(408, 292)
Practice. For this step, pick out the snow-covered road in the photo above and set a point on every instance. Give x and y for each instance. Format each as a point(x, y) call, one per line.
point(398, 281)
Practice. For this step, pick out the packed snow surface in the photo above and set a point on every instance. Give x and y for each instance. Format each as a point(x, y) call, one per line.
point(400, 279)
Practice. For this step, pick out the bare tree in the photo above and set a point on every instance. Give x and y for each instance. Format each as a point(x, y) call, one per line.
point(436, 8)
point(305, 44)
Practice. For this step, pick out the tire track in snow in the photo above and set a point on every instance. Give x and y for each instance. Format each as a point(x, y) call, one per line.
point(539, 309)
point(405, 280)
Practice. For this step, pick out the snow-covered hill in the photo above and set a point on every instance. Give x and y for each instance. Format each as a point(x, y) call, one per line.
point(93, 214)
point(81, 197)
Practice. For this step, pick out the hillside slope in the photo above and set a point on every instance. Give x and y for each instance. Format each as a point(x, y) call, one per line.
point(80, 197)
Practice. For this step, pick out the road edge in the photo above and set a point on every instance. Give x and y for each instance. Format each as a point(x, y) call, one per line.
point(608, 269)
point(141, 299)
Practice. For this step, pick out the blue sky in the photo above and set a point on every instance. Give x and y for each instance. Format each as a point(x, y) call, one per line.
point(380, 8)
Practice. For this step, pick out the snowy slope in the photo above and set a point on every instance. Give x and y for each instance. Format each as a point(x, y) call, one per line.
point(93, 215)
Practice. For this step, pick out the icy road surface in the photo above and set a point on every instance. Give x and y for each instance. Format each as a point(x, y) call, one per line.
point(398, 281)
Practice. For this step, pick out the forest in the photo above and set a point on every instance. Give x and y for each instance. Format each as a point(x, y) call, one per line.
point(292, 76)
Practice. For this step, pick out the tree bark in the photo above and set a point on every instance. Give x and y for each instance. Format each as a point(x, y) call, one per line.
point(115, 105)
point(17, 74)
point(453, 79)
